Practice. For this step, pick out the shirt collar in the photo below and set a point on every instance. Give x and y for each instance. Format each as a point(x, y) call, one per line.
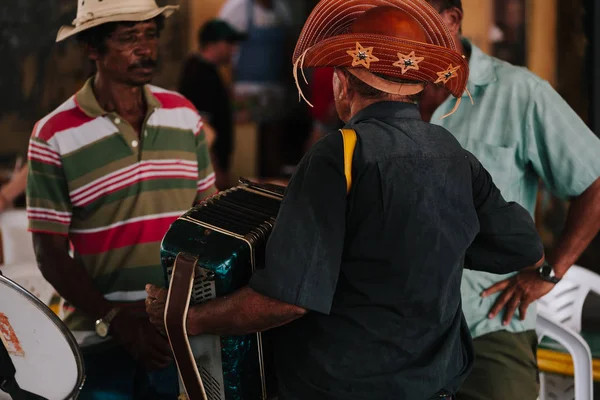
point(482, 71)
point(386, 109)
point(87, 102)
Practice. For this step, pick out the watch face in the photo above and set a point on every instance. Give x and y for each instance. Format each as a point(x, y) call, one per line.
point(546, 271)
point(101, 329)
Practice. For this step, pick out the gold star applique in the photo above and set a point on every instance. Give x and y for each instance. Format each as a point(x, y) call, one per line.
point(362, 56)
point(448, 74)
point(408, 62)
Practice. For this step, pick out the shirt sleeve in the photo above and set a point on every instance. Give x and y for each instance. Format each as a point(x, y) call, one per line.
point(49, 208)
point(304, 252)
point(206, 175)
point(507, 240)
point(564, 152)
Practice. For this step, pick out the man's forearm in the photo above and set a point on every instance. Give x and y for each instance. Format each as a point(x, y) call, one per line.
point(243, 312)
point(70, 279)
point(582, 225)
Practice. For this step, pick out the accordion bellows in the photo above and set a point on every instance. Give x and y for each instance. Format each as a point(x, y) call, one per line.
point(225, 237)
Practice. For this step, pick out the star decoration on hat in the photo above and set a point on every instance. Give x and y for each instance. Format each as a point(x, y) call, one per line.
point(448, 74)
point(362, 56)
point(408, 62)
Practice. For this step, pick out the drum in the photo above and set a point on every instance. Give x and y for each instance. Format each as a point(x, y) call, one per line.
point(38, 354)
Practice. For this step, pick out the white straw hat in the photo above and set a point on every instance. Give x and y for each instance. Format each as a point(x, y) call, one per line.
point(91, 13)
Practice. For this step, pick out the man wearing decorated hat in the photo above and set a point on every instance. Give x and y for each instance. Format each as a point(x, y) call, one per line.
point(363, 267)
point(109, 171)
point(523, 132)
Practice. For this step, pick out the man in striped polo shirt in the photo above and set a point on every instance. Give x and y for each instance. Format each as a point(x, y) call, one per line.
point(109, 171)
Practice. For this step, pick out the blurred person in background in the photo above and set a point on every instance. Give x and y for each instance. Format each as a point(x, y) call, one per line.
point(202, 84)
point(523, 132)
point(264, 91)
point(109, 171)
point(15, 186)
point(261, 59)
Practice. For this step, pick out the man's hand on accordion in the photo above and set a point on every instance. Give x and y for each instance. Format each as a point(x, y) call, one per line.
point(240, 313)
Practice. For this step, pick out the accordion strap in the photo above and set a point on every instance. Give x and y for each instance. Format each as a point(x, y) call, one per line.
point(176, 310)
point(349, 138)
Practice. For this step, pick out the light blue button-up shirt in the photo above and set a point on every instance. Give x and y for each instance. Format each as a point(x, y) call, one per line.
point(521, 130)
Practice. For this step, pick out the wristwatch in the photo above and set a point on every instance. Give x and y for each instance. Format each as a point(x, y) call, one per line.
point(547, 273)
point(103, 324)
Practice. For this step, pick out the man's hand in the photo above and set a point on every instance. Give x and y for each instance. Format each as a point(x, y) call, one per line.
point(133, 330)
point(519, 292)
point(155, 306)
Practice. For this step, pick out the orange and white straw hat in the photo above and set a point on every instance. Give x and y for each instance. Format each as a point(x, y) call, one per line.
point(379, 39)
point(91, 13)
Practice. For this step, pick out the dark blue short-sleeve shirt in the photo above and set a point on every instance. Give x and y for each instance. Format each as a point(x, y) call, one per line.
point(379, 269)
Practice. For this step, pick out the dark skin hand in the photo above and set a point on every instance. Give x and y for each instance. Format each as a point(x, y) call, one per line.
point(518, 292)
point(243, 312)
point(582, 225)
point(131, 326)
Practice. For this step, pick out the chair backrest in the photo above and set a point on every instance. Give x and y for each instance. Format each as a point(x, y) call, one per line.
point(17, 246)
point(564, 304)
point(580, 352)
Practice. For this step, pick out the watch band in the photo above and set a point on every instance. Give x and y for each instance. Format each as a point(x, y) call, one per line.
point(111, 315)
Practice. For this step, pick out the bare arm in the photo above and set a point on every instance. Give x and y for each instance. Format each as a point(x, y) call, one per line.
point(243, 312)
point(14, 188)
point(582, 225)
point(69, 279)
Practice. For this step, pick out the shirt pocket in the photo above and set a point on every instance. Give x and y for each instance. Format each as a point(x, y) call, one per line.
point(500, 161)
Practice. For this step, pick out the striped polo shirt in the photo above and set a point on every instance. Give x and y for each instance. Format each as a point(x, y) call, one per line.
point(113, 192)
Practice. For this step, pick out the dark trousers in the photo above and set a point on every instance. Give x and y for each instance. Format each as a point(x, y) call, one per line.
point(112, 374)
point(505, 368)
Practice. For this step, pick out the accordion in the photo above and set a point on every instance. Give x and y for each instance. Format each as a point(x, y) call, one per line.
point(211, 251)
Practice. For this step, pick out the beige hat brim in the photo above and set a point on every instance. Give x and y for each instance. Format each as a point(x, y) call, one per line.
point(69, 30)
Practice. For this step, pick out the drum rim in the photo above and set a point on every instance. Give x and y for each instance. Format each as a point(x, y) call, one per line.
point(63, 329)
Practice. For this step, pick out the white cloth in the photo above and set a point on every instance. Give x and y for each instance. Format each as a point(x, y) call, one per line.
point(235, 12)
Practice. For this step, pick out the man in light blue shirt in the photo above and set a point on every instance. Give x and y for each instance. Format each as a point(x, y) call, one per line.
point(522, 131)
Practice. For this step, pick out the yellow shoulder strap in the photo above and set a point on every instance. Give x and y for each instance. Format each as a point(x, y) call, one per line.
point(349, 138)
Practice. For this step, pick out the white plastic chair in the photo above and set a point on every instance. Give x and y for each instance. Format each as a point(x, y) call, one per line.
point(564, 303)
point(564, 306)
point(17, 245)
point(562, 387)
